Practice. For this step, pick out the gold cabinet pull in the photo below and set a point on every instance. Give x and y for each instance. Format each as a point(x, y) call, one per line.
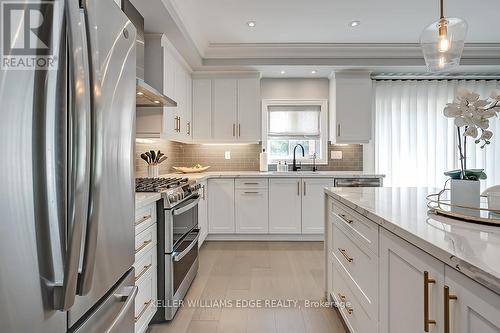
point(447, 298)
point(344, 253)
point(144, 270)
point(239, 130)
point(427, 321)
point(143, 219)
point(349, 309)
point(344, 217)
point(144, 244)
point(341, 297)
point(234, 129)
point(145, 307)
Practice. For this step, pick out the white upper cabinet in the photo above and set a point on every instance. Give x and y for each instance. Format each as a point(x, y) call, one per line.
point(226, 108)
point(249, 113)
point(351, 105)
point(202, 110)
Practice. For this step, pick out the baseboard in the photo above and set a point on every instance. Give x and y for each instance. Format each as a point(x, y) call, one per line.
point(266, 237)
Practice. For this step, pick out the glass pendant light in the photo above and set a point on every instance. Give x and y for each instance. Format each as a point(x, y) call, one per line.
point(442, 42)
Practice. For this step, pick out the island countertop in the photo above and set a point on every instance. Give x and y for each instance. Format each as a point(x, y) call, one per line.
point(473, 249)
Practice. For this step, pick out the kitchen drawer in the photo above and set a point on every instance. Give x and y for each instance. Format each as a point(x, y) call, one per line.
point(358, 318)
point(145, 217)
point(249, 183)
point(359, 267)
point(145, 301)
point(357, 226)
point(144, 242)
point(145, 265)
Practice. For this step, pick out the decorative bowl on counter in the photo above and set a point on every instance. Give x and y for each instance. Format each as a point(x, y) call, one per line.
point(195, 169)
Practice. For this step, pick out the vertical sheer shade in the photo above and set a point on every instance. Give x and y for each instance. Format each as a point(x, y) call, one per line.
point(415, 143)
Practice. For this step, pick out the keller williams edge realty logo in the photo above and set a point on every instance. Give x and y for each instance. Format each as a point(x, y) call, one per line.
point(27, 34)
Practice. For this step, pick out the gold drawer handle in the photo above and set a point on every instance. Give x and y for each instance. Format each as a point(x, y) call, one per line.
point(427, 321)
point(447, 298)
point(144, 270)
point(344, 253)
point(341, 297)
point(143, 219)
point(349, 309)
point(144, 244)
point(146, 306)
point(344, 217)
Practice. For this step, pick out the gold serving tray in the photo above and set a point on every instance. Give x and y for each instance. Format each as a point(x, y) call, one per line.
point(439, 203)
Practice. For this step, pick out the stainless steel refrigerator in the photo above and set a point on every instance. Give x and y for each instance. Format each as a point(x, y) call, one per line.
point(66, 168)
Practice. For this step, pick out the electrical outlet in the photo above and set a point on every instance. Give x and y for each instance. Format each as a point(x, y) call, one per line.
point(227, 155)
point(336, 154)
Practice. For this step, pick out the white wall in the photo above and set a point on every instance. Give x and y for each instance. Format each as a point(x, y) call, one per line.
point(294, 88)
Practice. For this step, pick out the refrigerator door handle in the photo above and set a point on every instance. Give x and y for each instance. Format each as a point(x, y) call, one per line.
point(129, 301)
point(79, 155)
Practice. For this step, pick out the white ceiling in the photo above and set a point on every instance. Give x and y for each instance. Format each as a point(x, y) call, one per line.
point(326, 21)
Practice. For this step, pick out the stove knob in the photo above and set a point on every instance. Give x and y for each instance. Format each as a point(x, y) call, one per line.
point(172, 198)
point(180, 196)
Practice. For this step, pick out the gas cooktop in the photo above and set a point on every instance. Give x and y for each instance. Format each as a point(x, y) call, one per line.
point(173, 190)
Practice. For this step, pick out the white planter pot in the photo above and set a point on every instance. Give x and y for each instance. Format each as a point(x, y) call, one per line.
point(466, 193)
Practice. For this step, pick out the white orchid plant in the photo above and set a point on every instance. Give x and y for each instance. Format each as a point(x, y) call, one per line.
point(472, 119)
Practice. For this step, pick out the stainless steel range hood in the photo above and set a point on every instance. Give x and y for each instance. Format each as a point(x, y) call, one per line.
point(147, 96)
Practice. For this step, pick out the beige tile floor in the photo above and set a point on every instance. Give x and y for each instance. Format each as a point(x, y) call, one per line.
point(256, 271)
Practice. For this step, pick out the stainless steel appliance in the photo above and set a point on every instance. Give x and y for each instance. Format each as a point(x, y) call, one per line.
point(177, 239)
point(67, 200)
point(358, 182)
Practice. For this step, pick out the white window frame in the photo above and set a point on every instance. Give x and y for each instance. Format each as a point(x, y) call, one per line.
point(322, 103)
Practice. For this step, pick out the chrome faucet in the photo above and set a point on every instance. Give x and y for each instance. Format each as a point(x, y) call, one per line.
point(295, 167)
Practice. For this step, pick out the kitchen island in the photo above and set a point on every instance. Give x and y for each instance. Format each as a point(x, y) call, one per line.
point(396, 267)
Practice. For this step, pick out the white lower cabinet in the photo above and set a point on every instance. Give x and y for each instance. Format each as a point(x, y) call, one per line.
point(471, 308)
point(251, 211)
point(203, 213)
point(313, 211)
point(411, 288)
point(145, 267)
point(285, 206)
point(221, 206)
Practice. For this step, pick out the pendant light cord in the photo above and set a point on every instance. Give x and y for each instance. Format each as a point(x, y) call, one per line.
point(442, 9)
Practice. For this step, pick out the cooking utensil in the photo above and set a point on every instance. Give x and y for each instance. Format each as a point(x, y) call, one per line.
point(145, 158)
point(162, 159)
point(148, 154)
point(159, 155)
point(153, 156)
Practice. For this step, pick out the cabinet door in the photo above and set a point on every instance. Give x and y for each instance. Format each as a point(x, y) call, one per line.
point(221, 206)
point(313, 204)
point(224, 112)
point(203, 213)
point(475, 309)
point(285, 206)
point(251, 211)
point(169, 66)
point(353, 119)
point(402, 297)
point(188, 112)
point(202, 109)
point(249, 113)
point(180, 98)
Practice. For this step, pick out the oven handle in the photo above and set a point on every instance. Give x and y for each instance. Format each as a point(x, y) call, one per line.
point(184, 209)
point(178, 256)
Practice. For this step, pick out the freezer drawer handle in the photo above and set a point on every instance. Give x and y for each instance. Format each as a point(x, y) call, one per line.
point(143, 219)
point(179, 256)
point(346, 256)
point(144, 244)
point(144, 270)
point(129, 301)
point(145, 307)
point(344, 217)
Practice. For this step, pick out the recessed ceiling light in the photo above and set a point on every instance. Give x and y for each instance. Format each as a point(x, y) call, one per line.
point(353, 24)
point(251, 24)
point(282, 72)
point(157, 102)
point(313, 72)
point(140, 93)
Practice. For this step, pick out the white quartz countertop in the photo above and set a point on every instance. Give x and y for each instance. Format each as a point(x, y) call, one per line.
point(143, 199)
point(273, 174)
point(473, 249)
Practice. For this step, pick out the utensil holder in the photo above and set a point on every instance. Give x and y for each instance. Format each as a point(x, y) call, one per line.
point(153, 171)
